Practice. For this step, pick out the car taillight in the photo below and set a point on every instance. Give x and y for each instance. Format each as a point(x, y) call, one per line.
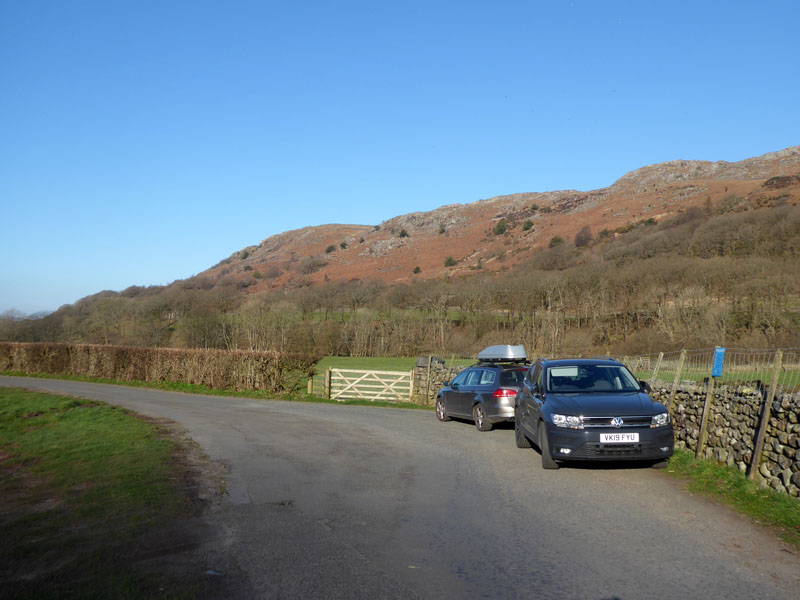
point(501, 393)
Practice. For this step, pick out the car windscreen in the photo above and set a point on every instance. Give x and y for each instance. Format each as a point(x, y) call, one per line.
point(590, 378)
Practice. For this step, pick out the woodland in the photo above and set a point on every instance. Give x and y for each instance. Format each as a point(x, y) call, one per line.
point(706, 276)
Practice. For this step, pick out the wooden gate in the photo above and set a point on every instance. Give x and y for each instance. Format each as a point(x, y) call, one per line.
point(352, 384)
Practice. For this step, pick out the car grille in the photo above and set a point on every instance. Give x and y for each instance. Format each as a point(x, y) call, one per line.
point(617, 450)
point(627, 421)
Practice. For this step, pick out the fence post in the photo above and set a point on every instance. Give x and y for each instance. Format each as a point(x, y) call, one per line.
point(428, 379)
point(755, 460)
point(328, 383)
point(656, 368)
point(411, 387)
point(310, 385)
point(704, 421)
point(677, 381)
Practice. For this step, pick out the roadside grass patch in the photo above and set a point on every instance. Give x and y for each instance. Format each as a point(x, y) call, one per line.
point(729, 486)
point(80, 483)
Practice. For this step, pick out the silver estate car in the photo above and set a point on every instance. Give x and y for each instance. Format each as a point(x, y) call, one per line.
point(485, 392)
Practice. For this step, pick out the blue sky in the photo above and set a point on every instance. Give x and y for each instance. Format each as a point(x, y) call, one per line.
point(143, 142)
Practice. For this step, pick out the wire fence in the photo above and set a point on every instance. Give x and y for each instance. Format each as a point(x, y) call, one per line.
point(742, 367)
point(742, 411)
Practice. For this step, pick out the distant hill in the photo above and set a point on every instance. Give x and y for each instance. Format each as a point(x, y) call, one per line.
point(682, 254)
point(505, 231)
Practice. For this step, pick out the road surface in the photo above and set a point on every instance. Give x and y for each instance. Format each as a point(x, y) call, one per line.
point(330, 501)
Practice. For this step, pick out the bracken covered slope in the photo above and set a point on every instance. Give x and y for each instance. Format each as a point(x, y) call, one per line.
point(499, 233)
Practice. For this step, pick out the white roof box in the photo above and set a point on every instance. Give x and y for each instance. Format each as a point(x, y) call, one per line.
point(503, 353)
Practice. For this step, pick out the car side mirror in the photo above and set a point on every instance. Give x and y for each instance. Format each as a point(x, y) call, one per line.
point(645, 386)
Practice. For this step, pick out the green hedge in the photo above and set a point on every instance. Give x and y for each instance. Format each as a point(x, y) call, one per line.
point(236, 370)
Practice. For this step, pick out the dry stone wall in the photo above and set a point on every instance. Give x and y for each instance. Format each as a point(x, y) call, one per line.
point(428, 381)
point(733, 423)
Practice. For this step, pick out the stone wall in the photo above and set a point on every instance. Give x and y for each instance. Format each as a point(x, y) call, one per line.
point(733, 423)
point(428, 382)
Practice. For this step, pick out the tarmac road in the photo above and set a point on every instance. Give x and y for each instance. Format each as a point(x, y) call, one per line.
point(359, 502)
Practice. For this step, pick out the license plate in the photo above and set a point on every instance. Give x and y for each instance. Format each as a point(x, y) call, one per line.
point(619, 438)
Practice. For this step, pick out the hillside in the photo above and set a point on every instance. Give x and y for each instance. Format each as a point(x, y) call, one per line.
point(471, 233)
point(676, 255)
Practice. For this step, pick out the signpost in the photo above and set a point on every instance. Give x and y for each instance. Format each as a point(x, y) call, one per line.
point(716, 371)
point(719, 361)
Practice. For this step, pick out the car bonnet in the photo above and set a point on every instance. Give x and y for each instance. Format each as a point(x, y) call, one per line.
point(599, 404)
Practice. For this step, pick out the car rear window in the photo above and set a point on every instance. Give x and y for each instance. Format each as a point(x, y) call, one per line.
point(512, 378)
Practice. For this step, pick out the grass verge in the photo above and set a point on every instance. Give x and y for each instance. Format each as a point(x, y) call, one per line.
point(82, 485)
point(729, 486)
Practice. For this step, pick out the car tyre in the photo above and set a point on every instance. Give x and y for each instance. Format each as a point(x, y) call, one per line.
point(544, 448)
point(479, 416)
point(519, 435)
point(441, 413)
point(661, 464)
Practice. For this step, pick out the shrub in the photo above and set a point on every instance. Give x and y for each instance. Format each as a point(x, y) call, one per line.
point(343, 245)
point(417, 270)
point(583, 237)
point(441, 229)
point(501, 227)
point(449, 261)
point(625, 228)
point(527, 225)
point(330, 249)
point(556, 241)
point(273, 271)
point(220, 369)
point(403, 233)
point(248, 267)
point(310, 265)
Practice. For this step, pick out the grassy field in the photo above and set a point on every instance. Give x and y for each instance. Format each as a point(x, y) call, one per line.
point(789, 379)
point(379, 363)
point(368, 363)
point(81, 485)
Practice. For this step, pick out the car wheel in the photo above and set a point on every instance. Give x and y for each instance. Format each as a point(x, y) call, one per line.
point(519, 435)
point(661, 464)
point(544, 448)
point(441, 413)
point(479, 416)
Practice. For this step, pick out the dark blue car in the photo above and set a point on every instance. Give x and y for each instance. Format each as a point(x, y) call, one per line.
point(590, 410)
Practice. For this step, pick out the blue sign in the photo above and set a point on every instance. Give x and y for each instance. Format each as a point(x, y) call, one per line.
point(719, 361)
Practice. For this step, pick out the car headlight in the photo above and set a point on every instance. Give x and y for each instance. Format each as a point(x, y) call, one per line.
point(568, 421)
point(660, 420)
